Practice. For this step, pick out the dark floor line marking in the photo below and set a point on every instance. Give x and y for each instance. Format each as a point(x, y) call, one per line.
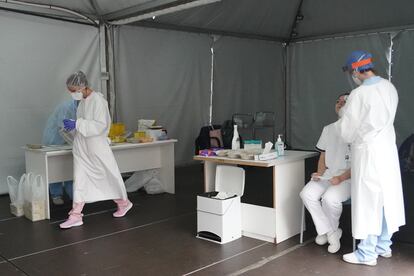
point(100, 237)
point(226, 259)
point(10, 218)
point(5, 261)
point(269, 259)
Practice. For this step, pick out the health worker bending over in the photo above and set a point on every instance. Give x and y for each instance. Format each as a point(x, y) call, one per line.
point(51, 136)
point(368, 123)
point(330, 185)
point(96, 173)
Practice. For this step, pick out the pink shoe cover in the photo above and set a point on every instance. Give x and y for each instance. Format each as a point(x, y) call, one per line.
point(72, 221)
point(122, 209)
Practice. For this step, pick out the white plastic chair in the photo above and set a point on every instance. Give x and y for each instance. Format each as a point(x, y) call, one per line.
point(302, 224)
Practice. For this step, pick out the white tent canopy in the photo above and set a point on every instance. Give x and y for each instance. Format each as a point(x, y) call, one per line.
point(188, 66)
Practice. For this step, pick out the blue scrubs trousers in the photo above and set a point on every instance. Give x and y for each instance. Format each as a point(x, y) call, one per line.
point(372, 246)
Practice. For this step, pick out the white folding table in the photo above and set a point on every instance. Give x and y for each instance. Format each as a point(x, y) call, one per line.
point(283, 220)
point(55, 164)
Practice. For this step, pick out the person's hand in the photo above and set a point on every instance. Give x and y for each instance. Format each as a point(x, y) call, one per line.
point(69, 124)
point(335, 180)
point(315, 176)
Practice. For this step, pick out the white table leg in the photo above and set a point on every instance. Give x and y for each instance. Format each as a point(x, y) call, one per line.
point(287, 186)
point(209, 176)
point(167, 170)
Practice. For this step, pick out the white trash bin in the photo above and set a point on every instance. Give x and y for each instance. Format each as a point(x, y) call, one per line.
point(219, 220)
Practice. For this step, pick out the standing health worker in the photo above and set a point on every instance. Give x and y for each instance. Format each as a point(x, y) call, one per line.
point(96, 173)
point(376, 190)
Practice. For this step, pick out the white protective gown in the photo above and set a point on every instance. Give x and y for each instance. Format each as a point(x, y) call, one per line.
point(96, 173)
point(368, 123)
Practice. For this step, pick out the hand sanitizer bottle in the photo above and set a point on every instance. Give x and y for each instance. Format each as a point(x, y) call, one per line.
point(280, 146)
point(235, 143)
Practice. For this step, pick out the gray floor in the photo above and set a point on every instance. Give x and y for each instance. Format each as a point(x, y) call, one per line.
point(158, 238)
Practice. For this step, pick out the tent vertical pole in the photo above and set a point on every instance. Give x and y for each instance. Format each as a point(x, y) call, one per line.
point(102, 59)
point(111, 71)
point(286, 94)
point(214, 38)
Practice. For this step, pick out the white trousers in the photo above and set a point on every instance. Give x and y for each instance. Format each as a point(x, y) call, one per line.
point(324, 202)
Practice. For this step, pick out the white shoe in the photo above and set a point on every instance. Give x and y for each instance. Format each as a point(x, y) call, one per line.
point(386, 255)
point(353, 259)
point(334, 240)
point(321, 239)
point(58, 200)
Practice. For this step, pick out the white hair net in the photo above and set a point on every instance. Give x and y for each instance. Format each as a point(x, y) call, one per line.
point(77, 79)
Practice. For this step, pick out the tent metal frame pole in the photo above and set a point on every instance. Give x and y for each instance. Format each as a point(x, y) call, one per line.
point(160, 9)
point(354, 34)
point(102, 60)
point(51, 7)
point(47, 16)
point(295, 22)
point(111, 71)
point(286, 93)
point(164, 26)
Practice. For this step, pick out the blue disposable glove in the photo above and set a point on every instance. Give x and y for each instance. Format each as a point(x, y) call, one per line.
point(69, 124)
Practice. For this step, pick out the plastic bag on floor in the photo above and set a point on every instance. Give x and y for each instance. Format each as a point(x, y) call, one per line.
point(154, 186)
point(16, 194)
point(34, 197)
point(140, 179)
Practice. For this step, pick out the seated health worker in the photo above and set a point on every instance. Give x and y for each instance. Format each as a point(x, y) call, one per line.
point(330, 185)
point(51, 136)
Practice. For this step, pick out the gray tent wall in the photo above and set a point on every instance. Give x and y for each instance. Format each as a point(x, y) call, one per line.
point(164, 75)
point(36, 57)
point(402, 76)
point(248, 77)
point(315, 79)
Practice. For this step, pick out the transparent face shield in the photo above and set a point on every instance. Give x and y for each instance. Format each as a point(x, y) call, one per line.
point(353, 81)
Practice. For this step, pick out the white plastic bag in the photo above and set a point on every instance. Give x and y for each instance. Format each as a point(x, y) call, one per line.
point(16, 194)
point(154, 186)
point(34, 197)
point(140, 179)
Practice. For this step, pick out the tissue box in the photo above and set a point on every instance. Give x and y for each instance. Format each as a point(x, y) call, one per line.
point(252, 144)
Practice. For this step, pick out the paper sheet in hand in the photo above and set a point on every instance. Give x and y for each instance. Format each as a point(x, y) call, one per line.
point(324, 177)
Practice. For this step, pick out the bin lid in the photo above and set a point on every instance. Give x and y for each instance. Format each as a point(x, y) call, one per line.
point(230, 179)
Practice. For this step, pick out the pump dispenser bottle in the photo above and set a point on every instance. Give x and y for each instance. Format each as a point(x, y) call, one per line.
point(280, 146)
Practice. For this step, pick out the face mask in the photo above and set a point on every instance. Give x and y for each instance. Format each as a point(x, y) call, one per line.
point(77, 96)
point(341, 112)
point(356, 80)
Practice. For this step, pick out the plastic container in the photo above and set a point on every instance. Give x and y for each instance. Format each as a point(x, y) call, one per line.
point(252, 144)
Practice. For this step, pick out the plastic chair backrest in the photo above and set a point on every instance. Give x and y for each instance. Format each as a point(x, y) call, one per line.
point(230, 179)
